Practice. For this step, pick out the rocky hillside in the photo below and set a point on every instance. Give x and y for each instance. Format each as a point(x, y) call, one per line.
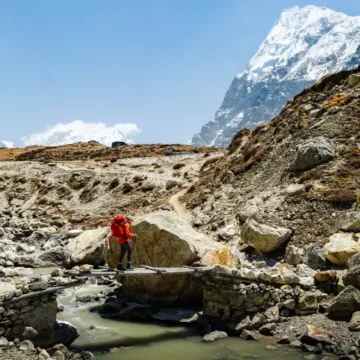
point(93, 150)
point(40, 202)
point(293, 178)
point(304, 45)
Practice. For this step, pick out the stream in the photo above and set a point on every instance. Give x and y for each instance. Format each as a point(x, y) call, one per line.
point(161, 341)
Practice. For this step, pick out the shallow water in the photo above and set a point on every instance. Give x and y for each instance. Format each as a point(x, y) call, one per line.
point(135, 340)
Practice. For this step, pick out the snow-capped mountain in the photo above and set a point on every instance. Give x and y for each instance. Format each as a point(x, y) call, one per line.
point(6, 144)
point(80, 131)
point(304, 45)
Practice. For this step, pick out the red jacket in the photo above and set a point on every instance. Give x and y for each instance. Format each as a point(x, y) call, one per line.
point(124, 238)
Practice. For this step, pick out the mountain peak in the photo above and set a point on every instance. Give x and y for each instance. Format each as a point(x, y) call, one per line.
point(305, 44)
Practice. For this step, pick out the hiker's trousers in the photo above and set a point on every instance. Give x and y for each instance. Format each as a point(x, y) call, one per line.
point(125, 248)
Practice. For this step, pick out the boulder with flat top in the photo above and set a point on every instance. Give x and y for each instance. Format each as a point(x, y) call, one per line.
point(166, 240)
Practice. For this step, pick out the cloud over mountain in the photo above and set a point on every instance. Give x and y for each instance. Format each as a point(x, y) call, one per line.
point(81, 131)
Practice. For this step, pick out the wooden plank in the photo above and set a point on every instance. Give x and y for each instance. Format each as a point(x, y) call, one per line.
point(137, 272)
point(158, 270)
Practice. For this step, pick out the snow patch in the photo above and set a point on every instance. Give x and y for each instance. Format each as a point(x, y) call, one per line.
point(6, 144)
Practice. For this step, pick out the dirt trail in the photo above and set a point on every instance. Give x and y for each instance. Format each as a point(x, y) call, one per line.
point(179, 208)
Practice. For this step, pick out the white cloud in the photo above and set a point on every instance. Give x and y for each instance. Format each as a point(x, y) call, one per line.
point(80, 131)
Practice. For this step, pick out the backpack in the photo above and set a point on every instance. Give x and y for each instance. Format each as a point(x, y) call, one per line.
point(118, 226)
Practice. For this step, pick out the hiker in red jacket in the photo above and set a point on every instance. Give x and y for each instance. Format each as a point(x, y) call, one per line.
point(121, 230)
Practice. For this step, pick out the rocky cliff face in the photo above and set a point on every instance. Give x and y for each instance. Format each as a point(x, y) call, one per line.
point(300, 172)
point(304, 45)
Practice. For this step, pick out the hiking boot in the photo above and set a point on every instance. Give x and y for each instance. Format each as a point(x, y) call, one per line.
point(129, 267)
point(121, 268)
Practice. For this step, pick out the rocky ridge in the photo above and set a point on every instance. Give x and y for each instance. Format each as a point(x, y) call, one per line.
point(299, 172)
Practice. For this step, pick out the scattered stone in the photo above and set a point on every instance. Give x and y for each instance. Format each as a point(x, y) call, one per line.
point(355, 321)
point(313, 114)
point(248, 335)
point(171, 184)
point(313, 335)
point(354, 79)
point(349, 221)
point(38, 285)
point(290, 304)
point(227, 232)
point(215, 335)
point(257, 321)
point(3, 342)
point(308, 302)
point(352, 276)
point(17, 202)
point(29, 333)
point(284, 341)
point(293, 255)
point(263, 238)
point(345, 303)
point(244, 324)
point(44, 355)
point(267, 329)
point(313, 152)
point(272, 314)
point(295, 189)
point(316, 259)
point(58, 355)
point(7, 291)
point(323, 276)
point(341, 247)
point(86, 268)
point(26, 345)
point(296, 344)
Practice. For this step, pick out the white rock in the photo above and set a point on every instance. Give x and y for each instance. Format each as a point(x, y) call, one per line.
point(295, 189)
point(264, 238)
point(341, 247)
point(227, 232)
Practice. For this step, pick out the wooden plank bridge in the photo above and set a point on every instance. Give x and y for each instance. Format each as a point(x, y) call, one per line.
point(143, 270)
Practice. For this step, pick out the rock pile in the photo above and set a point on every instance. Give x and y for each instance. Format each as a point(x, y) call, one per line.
point(13, 350)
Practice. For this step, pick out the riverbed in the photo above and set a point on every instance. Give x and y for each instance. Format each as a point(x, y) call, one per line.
point(161, 341)
point(114, 339)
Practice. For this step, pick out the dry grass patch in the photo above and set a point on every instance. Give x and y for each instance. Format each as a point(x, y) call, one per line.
point(337, 100)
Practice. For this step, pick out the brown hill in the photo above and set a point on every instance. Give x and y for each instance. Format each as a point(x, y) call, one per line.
point(266, 172)
point(92, 150)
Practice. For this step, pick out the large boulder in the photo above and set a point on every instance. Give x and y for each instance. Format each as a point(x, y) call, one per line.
point(341, 247)
point(166, 240)
point(313, 152)
point(345, 303)
point(262, 237)
point(86, 248)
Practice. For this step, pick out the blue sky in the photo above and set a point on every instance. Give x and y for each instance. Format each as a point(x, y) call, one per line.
point(162, 64)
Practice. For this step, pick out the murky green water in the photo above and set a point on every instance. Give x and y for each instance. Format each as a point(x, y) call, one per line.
point(134, 340)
